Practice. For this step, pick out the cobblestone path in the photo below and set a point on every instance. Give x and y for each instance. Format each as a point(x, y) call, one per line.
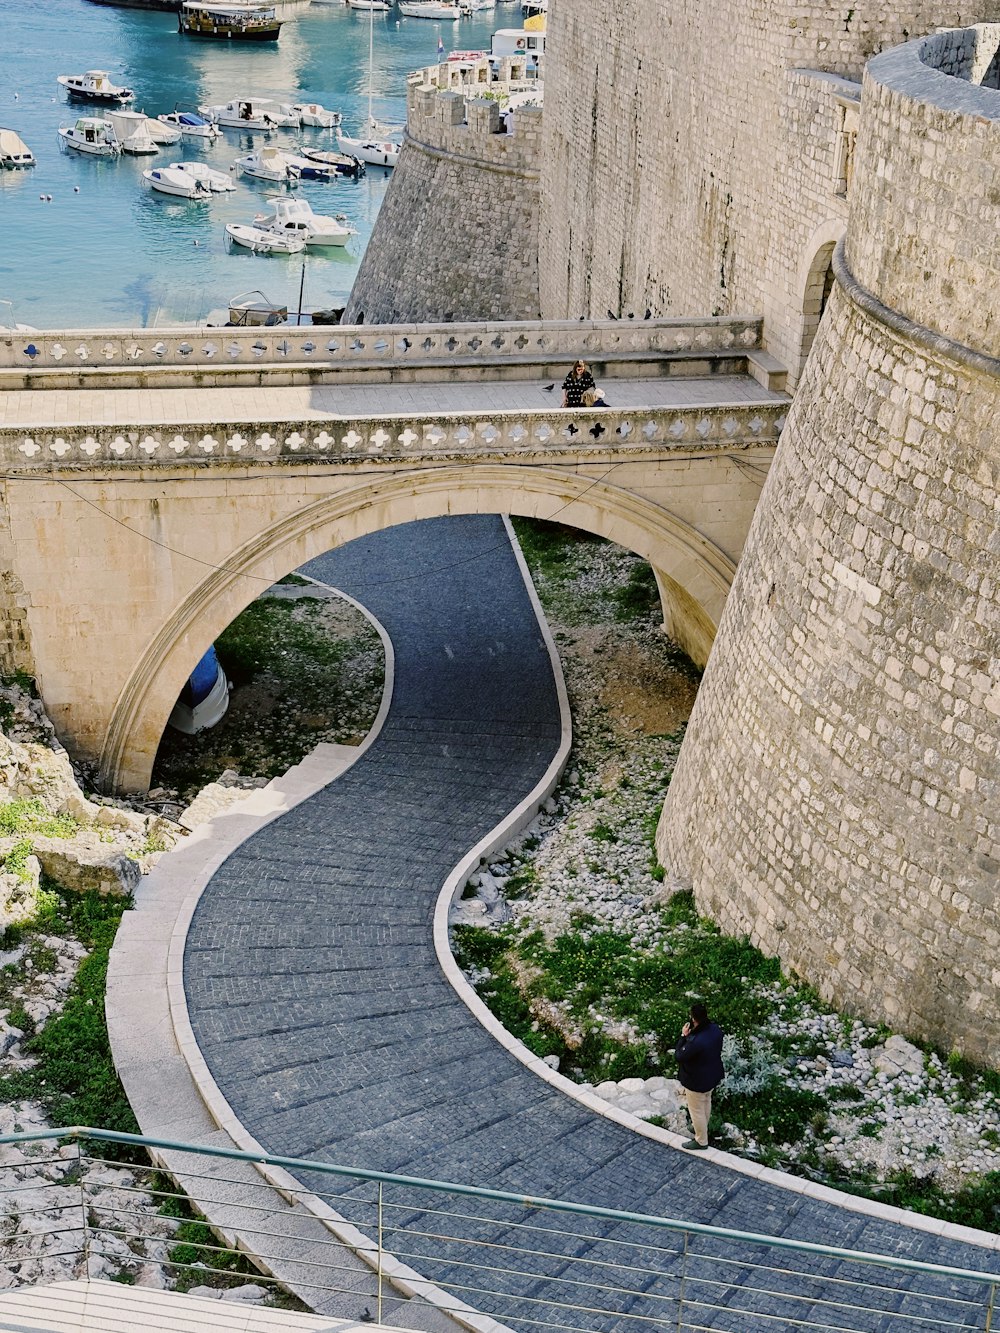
point(317, 1000)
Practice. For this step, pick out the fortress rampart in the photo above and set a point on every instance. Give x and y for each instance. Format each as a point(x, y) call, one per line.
point(837, 796)
point(457, 235)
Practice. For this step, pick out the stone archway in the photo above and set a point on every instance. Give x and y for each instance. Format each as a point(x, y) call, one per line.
point(815, 285)
point(694, 575)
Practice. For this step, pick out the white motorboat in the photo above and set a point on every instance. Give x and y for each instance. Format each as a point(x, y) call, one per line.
point(161, 133)
point(14, 152)
point(294, 217)
point(90, 135)
point(218, 182)
point(267, 164)
point(311, 113)
point(131, 131)
point(282, 114)
point(170, 180)
point(95, 86)
point(264, 242)
point(189, 125)
point(377, 152)
point(242, 113)
point(204, 699)
point(343, 164)
point(373, 147)
point(430, 9)
point(378, 5)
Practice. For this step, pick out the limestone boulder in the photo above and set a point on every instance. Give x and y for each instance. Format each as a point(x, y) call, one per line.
point(898, 1056)
point(18, 889)
point(85, 862)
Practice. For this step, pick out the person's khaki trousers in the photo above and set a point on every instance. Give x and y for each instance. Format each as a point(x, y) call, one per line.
point(699, 1109)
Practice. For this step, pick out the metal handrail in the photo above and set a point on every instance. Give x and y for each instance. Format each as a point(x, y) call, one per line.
point(568, 1281)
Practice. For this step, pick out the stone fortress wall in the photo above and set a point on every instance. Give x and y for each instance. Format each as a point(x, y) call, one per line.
point(837, 796)
point(704, 171)
point(457, 235)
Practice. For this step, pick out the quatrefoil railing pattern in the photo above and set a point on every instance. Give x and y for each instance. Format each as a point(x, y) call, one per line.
point(134, 350)
point(479, 436)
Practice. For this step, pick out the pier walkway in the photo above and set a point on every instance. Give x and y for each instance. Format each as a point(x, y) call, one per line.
point(318, 1003)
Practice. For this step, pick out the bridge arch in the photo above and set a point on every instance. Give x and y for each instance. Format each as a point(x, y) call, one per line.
point(694, 576)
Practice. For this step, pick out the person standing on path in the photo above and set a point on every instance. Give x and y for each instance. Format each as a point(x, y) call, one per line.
point(578, 382)
point(699, 1059)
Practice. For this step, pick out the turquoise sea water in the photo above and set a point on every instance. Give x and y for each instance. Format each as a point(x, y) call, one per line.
point(112, 253)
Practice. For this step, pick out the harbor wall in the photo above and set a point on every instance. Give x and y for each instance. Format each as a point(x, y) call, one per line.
point(457, 235)
point(836, 796)
point(697, 164)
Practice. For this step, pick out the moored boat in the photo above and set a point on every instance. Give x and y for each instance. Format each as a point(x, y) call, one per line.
point(170, 180)
point(267, 164)
point(235, 22)
point(294, 217)
point(95, 86)
point(190, 126)
point(379, 6)
point(264, 242)
point(132, 132)
point(255, 310)
point(242, 113)
point(282, 114)
point(91, 135)
point(344, 164)
point(376, 152)
point(430, 9)
point(160, 132)
point(14, 152)
point(311, 113)
point(219, 182)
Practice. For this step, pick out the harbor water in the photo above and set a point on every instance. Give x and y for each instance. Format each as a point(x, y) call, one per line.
point(105, 250)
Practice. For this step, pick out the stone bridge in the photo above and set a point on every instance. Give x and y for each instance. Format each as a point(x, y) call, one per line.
point(140, 517)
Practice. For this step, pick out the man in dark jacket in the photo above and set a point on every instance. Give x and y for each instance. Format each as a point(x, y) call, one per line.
point(699, 1058)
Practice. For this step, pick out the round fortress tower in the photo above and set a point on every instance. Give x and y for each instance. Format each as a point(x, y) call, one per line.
point(838, 793)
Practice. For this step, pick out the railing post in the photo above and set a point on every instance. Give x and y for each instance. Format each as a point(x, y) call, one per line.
point(680, 1292)
point(378, 1271)
point(83, 1211)
point(990, 1308)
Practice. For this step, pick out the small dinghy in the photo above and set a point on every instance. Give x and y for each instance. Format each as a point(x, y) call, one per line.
point(131, 131)
point(95, 86)
point(264, 242)
point(168, 180)
point(190, 125)
point(267, 164)
point(311, 113)
point(218, 182)
point(204, 698)
point(294, 217)
point(90, 135)
point(344, 164)
point(14, 152)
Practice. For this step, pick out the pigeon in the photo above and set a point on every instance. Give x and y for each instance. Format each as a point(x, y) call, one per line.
point(549, 388)
point(648, 314)
point(612, 315)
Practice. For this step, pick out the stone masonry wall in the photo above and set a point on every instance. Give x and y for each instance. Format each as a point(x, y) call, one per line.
point(838, 793)
point(457, 235)
point(689, 155)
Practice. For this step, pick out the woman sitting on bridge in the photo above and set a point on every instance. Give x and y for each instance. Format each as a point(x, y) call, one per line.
point(578, 382)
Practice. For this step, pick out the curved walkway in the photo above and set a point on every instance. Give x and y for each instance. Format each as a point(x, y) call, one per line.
point(311, 979)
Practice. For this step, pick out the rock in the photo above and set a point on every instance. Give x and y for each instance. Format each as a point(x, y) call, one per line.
point(551, 1060)
point(126, 821)
point(897, 1057)
point(250, 1291)
point(607, 1089)
point(206, 1293)
point(8, 1036)
point(842, 1059)
point(19, 892)
point(84, 862)
point(215, 799)
point(632, 1085)
point(151, 1276)
point(487, 887)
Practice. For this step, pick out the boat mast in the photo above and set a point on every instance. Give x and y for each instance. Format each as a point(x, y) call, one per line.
point(371, 57)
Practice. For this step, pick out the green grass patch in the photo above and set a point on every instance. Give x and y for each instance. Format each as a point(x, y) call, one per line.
point(30, 816)
point(74, 1078)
